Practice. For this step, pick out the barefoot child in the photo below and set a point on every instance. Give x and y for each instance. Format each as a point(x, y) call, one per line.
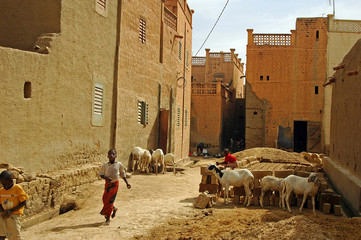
point(12, 202)
point(110, 172)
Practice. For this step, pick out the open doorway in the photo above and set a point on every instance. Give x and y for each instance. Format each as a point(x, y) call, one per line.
point(300, 136)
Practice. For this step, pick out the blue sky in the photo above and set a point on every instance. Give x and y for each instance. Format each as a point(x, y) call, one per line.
point(264, 16)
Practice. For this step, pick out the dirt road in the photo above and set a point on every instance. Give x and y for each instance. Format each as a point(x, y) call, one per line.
point(161, 207)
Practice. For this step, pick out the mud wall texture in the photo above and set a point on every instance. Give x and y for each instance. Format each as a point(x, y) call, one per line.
point(344, 165)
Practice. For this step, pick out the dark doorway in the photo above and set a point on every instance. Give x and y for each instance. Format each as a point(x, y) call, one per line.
point(163, 134)
point(300, 136)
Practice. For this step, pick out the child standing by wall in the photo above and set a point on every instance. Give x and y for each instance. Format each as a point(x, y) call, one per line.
point(12, 202)
point(111, 172)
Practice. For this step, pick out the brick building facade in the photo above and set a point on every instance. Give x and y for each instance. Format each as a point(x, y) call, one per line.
point(215, 113)
point(287, 73)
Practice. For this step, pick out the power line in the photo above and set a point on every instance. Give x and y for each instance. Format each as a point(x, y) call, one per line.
point(213, 27)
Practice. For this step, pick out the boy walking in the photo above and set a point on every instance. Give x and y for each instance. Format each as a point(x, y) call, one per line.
point(12, 203)
point(111, 172)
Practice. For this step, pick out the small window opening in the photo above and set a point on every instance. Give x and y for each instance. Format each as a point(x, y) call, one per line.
point(261, 78)
point(254, 113)
point(27, 90)
point(267, 78)
point(142, 30)
point(316, 90)
point(317, 34)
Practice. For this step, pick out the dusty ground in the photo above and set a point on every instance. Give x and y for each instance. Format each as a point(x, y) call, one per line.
point(161, 207)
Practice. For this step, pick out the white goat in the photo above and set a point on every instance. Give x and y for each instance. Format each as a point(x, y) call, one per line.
point(300, 185)
point(158, 159)
point(237, 178)
point(145, 161)
point(169, 160)
point(271, 183)
point(135, 158)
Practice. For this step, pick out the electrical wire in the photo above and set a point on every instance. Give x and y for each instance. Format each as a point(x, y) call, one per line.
point(213, 27)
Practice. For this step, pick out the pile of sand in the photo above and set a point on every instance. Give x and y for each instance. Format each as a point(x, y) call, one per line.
point(271, 154)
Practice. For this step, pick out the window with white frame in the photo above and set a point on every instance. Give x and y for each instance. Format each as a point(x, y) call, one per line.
point(98, 105)
point(101, 7)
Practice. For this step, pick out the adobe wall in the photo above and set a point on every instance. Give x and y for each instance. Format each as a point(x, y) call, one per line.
point(255, 109)
point(53, 128)
point(23, 21)
point(141, 71)
point(342, 35)
point(206, 122)
point(293, 70)
point(344, 165)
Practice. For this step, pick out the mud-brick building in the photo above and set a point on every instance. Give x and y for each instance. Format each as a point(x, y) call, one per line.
point(344, 164)
point(285, 95)
point(217, 91)
point(342, 36)
point(80, 77)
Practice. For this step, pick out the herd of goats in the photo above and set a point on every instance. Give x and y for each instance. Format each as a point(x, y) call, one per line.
point(145, 160)
point(285, 186)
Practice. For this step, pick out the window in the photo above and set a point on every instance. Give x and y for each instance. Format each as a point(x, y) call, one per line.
point(186, 117)
point(101, 7)
point(261, 78)
point(142, 113)
point(180, 50)
point(27, 90)
point(178, 117)
point(316, 90)
point(98, 105)
point(267, 78)
point(317, 34)
point(142, 26)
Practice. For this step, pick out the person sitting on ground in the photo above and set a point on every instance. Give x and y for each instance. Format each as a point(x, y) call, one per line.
point(200, 147)
point(229, 160)
point(12, 203)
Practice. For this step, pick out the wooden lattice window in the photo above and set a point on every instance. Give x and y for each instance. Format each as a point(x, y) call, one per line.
point(178, 117)
point(180, 50)
point(98, 105)
point(185, 117)
point(101, 7)
point(142, 113)
point(142, 30)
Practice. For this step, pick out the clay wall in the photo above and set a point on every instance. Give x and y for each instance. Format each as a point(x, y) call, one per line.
point(285, 70)
point(344, 165)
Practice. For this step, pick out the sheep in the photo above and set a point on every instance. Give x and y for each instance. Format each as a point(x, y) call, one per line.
point(237, 178)
point(169, 160)
point(158, 159)
point(135, 157)
point(271, 183)
point(300, 185)
point(145, 161)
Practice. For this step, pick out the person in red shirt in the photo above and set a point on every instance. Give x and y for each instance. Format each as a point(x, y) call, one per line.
point(229, 160)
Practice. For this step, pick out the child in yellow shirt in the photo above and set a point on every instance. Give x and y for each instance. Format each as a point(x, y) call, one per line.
point(12, 203)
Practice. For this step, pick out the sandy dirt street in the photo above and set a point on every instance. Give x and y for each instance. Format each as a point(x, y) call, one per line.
point(161, 207)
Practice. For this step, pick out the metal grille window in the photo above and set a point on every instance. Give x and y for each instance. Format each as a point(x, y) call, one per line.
point(98, 100)
point(142, 112)
point(178, 117)
point(142, 28)
point(180, 50)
